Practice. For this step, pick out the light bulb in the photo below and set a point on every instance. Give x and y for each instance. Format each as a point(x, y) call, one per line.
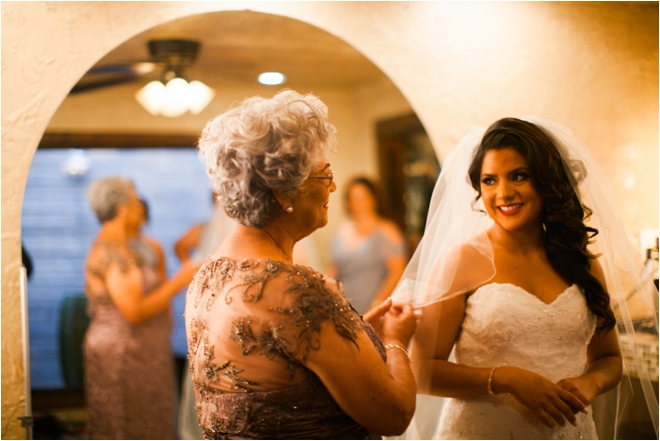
point(199, 96)
point(152, 97)
point(176, 98)
point(271, 78)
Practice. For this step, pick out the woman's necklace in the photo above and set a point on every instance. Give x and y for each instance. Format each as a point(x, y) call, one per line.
point(278, 246)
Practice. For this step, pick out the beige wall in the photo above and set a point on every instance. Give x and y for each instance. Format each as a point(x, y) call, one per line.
point(591, 66)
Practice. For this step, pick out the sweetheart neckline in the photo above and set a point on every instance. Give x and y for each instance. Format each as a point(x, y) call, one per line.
point(519, 288)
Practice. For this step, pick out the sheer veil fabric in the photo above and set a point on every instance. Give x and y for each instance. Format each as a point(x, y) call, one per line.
point(455, 230)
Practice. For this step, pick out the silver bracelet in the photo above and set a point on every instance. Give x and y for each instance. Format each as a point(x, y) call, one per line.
point(390, 346)
point(490, 381)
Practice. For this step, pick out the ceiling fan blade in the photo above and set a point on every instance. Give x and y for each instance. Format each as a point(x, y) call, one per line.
point(112, 74)
point(89, 85)
point(131, 68)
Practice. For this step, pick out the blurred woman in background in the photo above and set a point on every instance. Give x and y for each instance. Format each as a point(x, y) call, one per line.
point(150, 250)
point(129, 370)
point(367, 253)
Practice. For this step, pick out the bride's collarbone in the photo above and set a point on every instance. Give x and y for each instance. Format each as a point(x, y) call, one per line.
point(545, 285)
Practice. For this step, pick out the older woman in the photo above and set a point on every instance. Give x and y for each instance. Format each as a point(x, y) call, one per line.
point(275, 349)
point(129, 374)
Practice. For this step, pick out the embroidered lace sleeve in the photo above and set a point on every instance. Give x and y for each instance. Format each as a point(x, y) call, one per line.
point(316, 300)
point(101, 256)
point(246, 317)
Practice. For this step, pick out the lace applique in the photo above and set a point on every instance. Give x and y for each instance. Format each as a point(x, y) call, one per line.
point(111, 252)
point(291, 327)
point(272, 269)
point(193, 344)
point(243, 334)
point(313, 303)
point(224, 428)
point(212, 370)
point(101, 255)
point(213, 276)
point(221, 427)
point(316, 304)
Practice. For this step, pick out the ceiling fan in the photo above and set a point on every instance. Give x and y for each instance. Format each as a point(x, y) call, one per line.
point(169, 59)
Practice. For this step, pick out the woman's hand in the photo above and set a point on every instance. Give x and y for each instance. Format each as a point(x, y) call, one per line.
point(580, 387)
point(400, 324)
point(550, 402)
point(394, 322)
point(378, 395)
point(375, 316)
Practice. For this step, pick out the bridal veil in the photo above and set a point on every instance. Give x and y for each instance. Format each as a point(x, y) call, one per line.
point(456, 220)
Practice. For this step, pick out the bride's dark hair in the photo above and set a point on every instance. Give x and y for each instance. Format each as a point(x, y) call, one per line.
point(566, 236)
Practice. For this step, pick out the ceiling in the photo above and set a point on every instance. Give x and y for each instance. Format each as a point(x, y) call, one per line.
point(237, 46)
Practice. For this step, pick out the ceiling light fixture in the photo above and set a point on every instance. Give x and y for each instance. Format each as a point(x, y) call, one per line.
point(271, 78)
point(175, 98)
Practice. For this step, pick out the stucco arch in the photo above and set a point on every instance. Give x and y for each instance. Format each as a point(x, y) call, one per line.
point(591, 66)
point(57, 44)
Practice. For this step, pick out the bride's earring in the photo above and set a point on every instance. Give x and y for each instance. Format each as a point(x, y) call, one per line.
point(289, 210)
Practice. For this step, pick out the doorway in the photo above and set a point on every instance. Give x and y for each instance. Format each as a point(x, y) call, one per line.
point(408, 167)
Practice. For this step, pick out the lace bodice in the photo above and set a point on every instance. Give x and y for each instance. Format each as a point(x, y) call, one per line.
point(102, 254)
point(504, 325)
point(251, 326)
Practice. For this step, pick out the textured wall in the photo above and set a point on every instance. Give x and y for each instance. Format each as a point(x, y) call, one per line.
point(592, 66)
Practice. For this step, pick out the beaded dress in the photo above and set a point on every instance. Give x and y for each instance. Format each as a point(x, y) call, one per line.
point(129, 369)
point(250, 326)
point(505, 325)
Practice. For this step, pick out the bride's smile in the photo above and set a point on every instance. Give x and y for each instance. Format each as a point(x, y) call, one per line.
point(508, 190)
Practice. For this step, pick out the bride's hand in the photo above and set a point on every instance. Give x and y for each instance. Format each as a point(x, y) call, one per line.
point(550, 402)
point(580, 387)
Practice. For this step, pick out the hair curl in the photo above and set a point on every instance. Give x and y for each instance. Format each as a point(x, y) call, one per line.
point(264, 145)
point(105, 194)
point(566, 236)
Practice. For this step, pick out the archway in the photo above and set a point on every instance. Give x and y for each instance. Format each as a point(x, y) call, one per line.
point(457, 64)
point(83, 120)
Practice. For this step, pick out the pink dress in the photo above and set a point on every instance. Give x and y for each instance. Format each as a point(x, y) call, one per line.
point(129, 370)
point(244, 321)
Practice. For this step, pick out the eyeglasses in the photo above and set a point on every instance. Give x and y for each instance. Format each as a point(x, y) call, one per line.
point(329, 177)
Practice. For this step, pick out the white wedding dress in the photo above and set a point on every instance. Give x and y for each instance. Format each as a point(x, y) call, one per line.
point(505, 325)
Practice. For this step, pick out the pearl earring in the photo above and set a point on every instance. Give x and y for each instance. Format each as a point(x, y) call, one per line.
point(289, 209)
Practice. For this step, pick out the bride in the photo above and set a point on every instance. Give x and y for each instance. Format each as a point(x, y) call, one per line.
point(520, 295)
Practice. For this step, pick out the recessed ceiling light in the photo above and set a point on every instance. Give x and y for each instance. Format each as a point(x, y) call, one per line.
point(271, 78)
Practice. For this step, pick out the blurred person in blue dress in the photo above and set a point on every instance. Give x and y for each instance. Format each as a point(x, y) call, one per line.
point(368, 252)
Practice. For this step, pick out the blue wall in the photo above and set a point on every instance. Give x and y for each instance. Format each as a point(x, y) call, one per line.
point(58, 228)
